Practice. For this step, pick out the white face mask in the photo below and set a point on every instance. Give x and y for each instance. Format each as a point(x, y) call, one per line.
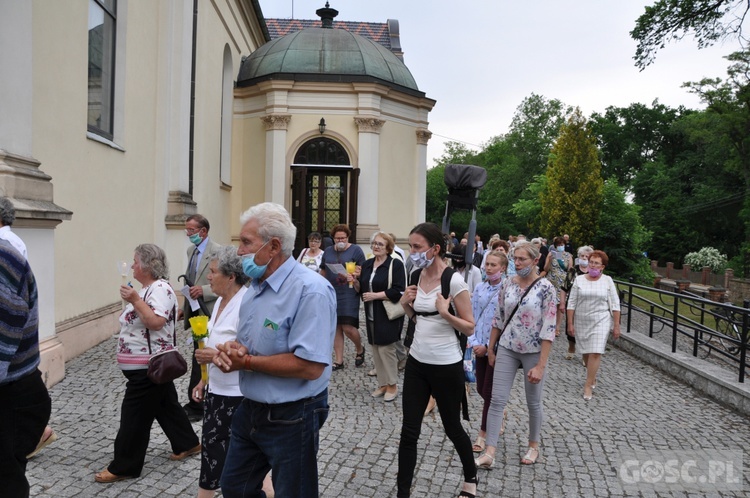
point(583, 263)
point(420, 259)
point(340, 246)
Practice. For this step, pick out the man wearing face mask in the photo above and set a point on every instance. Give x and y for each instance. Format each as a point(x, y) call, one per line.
point(285, 333)
point(200, 253)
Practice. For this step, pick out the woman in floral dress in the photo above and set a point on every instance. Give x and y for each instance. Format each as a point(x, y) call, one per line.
point(555, 270)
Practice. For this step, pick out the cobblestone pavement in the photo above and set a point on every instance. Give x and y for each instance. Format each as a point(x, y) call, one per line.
point(584, 444)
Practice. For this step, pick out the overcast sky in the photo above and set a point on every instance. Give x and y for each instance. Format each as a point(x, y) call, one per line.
point(480, 58)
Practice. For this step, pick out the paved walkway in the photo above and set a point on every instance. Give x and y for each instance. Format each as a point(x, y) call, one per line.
point(584, 446)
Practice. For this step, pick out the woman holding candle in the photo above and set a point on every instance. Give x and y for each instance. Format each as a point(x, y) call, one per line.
point(227, 280)
point(346, 284)
point(147, 323)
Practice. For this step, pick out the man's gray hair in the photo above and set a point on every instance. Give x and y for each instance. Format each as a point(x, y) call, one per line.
point(7, 212)
point(229, 264)
point(153, 260)
point(273, 221)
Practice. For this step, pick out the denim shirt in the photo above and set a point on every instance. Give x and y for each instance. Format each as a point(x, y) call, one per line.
point(483, 306)
point(292, 311)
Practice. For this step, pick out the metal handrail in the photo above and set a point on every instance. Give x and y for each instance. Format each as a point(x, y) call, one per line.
point(728, 339)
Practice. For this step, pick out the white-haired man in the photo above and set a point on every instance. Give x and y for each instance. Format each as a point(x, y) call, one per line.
point(283, 352)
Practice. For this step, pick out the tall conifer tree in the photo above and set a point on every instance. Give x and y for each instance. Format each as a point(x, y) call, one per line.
point(572, 200)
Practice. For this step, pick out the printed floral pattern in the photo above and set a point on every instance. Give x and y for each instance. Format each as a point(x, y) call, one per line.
point(533, 322)
point(132, 340)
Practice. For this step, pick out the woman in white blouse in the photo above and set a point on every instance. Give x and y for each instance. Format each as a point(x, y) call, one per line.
point(312, 256)
point(223, 396)
point(435, 363)
point(593, 310)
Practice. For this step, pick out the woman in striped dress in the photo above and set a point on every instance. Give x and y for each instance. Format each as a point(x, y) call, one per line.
point(593, 310)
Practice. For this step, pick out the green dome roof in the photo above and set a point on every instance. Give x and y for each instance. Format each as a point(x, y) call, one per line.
point(324, 54)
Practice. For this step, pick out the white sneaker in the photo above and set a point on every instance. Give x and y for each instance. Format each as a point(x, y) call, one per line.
point(372, 373)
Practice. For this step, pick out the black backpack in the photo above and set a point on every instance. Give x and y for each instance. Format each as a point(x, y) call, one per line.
point(445, 290)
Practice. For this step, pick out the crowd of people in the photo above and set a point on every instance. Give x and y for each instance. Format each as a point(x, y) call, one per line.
point(276, 330)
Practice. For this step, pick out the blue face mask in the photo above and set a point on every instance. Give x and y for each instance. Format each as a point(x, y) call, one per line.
point(420, 259)
point(195, 239)
point(251, 269)
point(560, 248)
point(524, 272)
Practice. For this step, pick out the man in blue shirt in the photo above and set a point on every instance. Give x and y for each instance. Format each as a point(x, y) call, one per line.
point(283, 352)
point(25, 405)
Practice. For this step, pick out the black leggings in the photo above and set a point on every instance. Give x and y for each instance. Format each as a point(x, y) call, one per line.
point(446, 384)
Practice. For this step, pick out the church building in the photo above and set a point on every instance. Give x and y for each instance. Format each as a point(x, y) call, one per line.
point(120, 118)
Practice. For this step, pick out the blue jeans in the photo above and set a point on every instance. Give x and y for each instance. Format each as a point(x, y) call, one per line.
point(282, 437)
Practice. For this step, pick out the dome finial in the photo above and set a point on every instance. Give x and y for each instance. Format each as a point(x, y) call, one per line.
point(326, 16)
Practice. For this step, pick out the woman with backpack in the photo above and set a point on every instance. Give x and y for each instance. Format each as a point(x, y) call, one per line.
point(435, 363)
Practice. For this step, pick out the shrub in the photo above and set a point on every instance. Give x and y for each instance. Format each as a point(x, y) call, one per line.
point(707, 256)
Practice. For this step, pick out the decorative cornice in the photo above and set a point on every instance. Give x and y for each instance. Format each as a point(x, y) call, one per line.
point(369, 125)
point(423, 136)
point(276, 121)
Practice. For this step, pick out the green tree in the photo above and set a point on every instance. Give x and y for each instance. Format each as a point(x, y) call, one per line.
point(630, 137)
point(535, 127)
point(708, 21)
point(622, 235)
point(573, 197)
point(528, 209)
point(730, 101)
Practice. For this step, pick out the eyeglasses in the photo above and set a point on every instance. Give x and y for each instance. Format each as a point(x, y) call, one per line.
point(522, 260)
point(596, 264)
point(341, 239)
point(377, 244)
point(314, 241)
point(191, 231)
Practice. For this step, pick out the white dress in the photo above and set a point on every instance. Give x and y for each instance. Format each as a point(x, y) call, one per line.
point(591, 301)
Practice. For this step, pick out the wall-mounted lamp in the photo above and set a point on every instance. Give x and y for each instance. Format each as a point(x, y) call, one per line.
point(322, 125)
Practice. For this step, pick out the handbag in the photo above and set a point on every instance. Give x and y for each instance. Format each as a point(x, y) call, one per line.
point(393, 310)
point(168, 365)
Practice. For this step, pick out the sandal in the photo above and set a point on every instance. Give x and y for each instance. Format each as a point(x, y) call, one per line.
point(530, 457)
point(430, 406)
point(474, 480)
point(359, 359)
point(337, 366)
point(485, 462)
point(48, 437)
point(479, 445)
point(106, 477)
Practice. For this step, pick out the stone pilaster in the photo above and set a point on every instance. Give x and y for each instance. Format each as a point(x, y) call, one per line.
point(275, 181)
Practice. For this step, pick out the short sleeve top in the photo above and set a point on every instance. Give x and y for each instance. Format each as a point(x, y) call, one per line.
point(435, 341)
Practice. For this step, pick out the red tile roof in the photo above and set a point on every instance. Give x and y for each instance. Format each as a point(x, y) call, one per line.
point(375, 31)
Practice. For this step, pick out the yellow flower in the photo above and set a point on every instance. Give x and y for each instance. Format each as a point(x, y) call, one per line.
point(199, 325)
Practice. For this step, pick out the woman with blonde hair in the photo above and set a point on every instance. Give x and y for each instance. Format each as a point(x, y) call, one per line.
point(523, 331)
point(383, 279)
